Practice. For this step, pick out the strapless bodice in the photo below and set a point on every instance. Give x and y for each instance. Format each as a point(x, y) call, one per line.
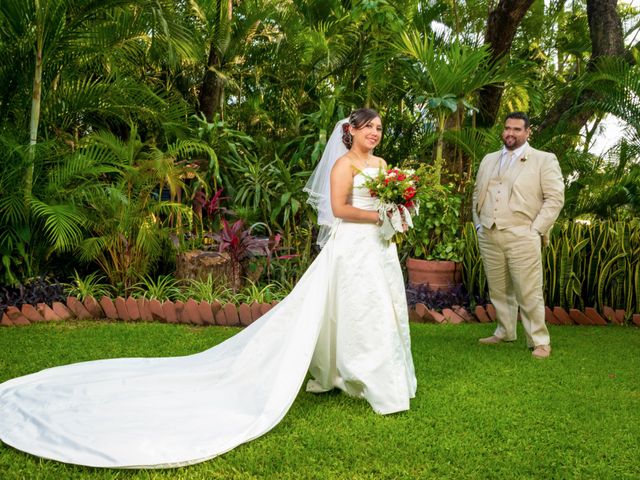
point(360, 196)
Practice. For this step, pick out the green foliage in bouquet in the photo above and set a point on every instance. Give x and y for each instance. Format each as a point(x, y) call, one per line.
point(436, 232)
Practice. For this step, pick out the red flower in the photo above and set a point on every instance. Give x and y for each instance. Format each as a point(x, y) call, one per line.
point(409, 193)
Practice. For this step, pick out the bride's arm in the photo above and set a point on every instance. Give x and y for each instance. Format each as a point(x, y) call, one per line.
point(341, 186)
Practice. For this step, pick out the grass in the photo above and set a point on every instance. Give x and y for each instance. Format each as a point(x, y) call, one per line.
point(480, 412)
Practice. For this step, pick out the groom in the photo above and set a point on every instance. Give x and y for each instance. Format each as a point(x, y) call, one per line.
point(518, 194)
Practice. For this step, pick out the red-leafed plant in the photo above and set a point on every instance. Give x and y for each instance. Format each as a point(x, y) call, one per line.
point(210, 211)
point(238, 242)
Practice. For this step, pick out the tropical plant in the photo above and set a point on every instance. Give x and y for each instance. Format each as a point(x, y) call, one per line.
point(34, 224)
point(442, 78)
point(586, 264)
point(240, 244)
point(205, 290)
point(436, 229)
point(285, 269)
point(254, 183)
point(33, 291)
point(608, 186)
point(131, 221)
point(268, 293)
point(91, 285)
point(594, 265)
point(473, 274)
point(74, 68)
point(456, 296)
point(209, 211)
point(68, 70)
point(53, 50)
point(228, 30)
point(164, 287)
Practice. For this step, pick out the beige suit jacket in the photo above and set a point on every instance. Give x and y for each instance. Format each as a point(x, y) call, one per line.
point(537, 187)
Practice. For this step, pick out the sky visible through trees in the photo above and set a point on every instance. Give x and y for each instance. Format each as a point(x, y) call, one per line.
point(612, 127)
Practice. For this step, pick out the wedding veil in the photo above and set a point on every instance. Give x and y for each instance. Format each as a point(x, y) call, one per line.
point(318, 186)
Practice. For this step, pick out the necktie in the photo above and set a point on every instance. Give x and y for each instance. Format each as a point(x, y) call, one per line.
point(505, 162)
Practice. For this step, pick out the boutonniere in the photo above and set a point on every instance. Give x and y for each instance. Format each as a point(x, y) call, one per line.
point(524, 157)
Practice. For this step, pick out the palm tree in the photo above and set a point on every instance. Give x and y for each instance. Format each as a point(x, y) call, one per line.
point(228, 36)
point(609, 186)
point(444, 78)
point(127, 221)
point(58, 45)
point(69, 68)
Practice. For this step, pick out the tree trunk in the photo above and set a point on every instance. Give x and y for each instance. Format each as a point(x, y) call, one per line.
point(212, 92)
point(502, 25)
point(605, 28)
point(36, 98)
point(212, 87)
point(34, 123)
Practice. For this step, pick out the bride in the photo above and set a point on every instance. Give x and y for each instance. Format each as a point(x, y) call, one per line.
point(345, 322)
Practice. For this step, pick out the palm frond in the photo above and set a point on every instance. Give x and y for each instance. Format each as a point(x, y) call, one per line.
point(63, 224)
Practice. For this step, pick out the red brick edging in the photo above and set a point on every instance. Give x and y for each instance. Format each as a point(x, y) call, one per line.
point(140, 309)
point(486, 314)
point(205, 313)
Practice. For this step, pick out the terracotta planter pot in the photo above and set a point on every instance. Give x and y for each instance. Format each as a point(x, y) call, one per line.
point(437, 274)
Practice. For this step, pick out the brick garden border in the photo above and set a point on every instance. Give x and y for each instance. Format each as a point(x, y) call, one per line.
point(230, 315)
point(138, 309)
point(487, 314)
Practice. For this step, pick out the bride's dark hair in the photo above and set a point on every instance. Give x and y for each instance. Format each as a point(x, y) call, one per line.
point(358, 119)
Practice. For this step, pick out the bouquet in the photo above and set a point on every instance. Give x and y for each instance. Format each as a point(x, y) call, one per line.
point(395, 191)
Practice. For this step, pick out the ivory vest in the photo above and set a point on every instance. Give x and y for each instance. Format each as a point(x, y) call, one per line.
point(495, 209)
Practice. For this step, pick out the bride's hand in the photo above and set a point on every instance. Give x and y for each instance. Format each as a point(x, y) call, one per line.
point(405, 225)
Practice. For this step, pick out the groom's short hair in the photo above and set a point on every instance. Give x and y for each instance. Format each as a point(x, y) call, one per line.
point(519, 116)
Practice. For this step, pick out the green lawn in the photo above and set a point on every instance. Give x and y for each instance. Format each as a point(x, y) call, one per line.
point(480, 412)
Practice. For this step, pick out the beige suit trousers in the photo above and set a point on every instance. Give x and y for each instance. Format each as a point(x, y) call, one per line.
point(513, 263)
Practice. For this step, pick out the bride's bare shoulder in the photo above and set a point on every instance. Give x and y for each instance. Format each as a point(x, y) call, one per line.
point(343, 165)
point(381, 162)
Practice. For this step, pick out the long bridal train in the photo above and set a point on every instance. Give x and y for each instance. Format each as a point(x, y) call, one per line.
point(345, 321)
point(163, 412)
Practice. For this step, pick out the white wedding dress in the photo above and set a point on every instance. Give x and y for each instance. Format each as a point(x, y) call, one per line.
point(345, 322)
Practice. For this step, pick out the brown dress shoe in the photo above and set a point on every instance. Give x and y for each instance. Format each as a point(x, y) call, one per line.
point(492, 340)
point(541, 351)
